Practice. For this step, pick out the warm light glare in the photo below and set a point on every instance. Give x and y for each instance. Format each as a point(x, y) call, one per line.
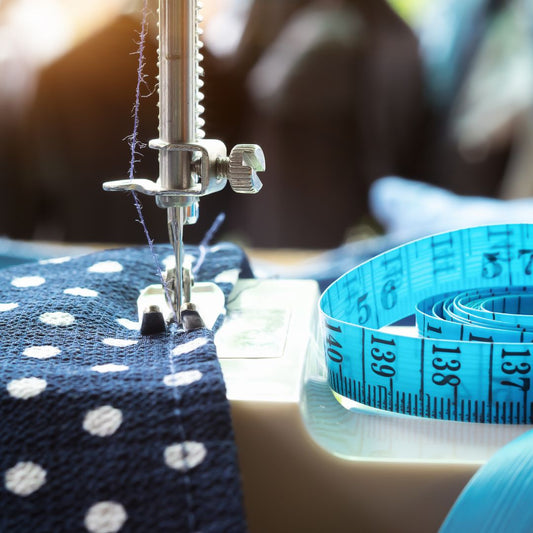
point(44, 25)
point(41, 30)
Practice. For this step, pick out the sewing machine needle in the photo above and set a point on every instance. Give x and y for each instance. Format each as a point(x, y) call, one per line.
point(176, 221)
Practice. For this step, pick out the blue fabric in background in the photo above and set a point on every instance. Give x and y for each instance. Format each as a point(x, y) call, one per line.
point(101, 429)
point(18, 252)
point(407, 210)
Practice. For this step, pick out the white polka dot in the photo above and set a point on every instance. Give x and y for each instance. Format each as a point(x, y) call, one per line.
point(78, 291)
point(25, 478)
point(221, 247)
point(170, 260)
point(181, 379)
point(28, 281)
point(55, 261)
point(57, 319)
point(104, 369)
point(25, 388)
point(106, 267)
point(190, 346)
point(120, 343)
point(8, 307)
point(228, 276)
point(129, 324)
point(41, 352)
point(185, 456)
point(102, 422)
point(105, 517)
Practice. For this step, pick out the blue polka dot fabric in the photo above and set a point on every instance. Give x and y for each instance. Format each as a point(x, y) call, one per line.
point(103, 430)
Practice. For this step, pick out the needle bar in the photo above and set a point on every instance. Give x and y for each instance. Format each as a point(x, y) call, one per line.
point(177, 118)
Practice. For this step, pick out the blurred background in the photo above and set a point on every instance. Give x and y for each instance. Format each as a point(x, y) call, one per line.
point(337, 92)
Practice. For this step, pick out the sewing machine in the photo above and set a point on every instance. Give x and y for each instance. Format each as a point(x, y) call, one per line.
point(308, 463)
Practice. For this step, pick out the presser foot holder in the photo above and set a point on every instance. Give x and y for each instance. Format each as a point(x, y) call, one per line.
point(155, 314)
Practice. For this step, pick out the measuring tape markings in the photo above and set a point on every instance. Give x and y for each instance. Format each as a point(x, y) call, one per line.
point(456, 370)
point(471, 316)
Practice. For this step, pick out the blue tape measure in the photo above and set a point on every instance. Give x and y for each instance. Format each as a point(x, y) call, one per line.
point(472, 294)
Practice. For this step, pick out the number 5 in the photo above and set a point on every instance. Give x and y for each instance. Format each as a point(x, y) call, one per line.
point(363, 308)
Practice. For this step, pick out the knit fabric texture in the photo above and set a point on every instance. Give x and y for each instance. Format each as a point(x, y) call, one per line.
point(101, 429)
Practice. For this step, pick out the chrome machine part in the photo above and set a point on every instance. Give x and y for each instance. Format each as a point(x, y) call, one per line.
point(189, 165)
point(245, 161)
point(179, 114)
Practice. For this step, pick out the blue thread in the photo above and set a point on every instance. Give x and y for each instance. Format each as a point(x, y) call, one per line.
point(134, 142)
point(134, 138)
point(133, 151)
point(209, 236)
point(213, 230)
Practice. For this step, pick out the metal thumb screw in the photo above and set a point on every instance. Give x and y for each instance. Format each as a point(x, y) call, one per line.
point(245, 161)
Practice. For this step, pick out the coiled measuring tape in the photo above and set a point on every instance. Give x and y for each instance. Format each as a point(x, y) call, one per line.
point(472, 293)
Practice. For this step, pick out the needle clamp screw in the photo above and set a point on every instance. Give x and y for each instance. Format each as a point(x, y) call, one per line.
point(244, 162)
